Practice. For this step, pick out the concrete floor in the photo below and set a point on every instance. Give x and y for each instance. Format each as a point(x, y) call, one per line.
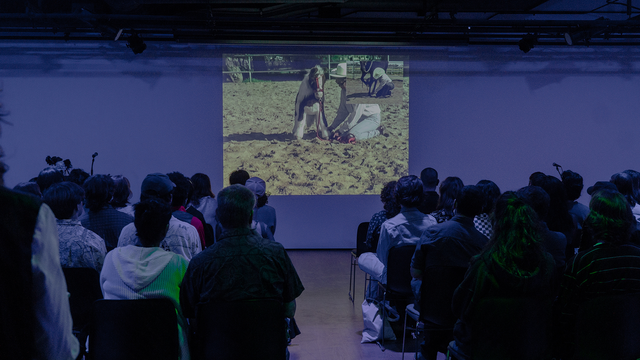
point(331, 326)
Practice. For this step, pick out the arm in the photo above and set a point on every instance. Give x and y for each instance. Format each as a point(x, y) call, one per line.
point(290, 309)
point(53, 326)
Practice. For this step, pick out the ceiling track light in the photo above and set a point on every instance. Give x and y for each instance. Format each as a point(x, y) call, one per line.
point(135, 43)
point(527, 43)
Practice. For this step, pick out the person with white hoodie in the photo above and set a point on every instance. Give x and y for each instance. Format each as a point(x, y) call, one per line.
point(147, 271)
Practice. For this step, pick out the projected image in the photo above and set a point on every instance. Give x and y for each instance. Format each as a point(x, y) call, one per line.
point(316, 124)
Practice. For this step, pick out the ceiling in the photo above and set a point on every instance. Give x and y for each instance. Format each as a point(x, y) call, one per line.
point(373, 22)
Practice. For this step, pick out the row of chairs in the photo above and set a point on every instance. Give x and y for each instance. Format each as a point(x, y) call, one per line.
point(512, 328)
point(148, 328)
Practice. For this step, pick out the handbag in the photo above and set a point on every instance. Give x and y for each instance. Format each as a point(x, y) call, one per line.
point(373, 322)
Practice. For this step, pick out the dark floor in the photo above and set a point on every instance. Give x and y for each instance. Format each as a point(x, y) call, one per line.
point(331, 325)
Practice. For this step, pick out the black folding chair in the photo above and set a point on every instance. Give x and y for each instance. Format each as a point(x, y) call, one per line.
point(398, 286)
point(83, 285)
point(360, 248)
point(134, 330)
point(252, 329)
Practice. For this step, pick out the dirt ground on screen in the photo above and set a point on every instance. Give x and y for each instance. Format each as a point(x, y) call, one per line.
point(257, 125)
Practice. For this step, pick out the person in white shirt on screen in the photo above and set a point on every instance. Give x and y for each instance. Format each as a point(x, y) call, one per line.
point(353, 121)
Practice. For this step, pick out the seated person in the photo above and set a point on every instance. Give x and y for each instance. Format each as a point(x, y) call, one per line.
point(404, 228)
point(147, 271)
point(491, 193)
point(101, 217)
point(262, 212)
point(79, 247)
point(611, 266)
point(241, 265)
point(449, 190)
point(514, 264)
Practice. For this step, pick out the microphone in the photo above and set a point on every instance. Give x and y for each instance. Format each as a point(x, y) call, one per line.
point(559, 169)
point(93, 159)
point(96, 154)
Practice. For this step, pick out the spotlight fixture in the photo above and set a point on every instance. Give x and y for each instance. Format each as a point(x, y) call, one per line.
point(527, 43)
point(598, 27)
point(136, 44)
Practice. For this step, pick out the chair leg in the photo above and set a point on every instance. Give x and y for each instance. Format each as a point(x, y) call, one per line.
point(404, 333)
point(352, 280)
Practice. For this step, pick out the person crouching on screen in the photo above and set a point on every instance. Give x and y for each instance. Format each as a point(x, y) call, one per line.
point(353, 121)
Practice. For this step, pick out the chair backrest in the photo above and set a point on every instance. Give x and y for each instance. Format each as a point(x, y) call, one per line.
point(252, 329)
point(83, 285)
point(511, 328)
point(608, 327)
point(133, 330)
point(361, 236)
point(436, 293)
point(399, 270)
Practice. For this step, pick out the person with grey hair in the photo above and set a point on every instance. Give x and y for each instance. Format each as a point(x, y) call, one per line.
point(261, 269)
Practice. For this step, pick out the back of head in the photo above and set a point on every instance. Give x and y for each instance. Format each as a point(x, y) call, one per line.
point(624, 183)
point(470, 201)
point(259, 188)
point(491, 193)
point(63, 198)
point(98, 191)
point(122, 192)
point(201, 187)
point(610, 218)
point(78, 176)
point(151, 218)
point(516, 243)
point(29, 188)
point(635, 179)
point(409, 191)
point(536, 178)
point(239, 177)
point(157, 186)
point(235, 207)
point(558, 217)
point(48, 177)
point(573, 184)
point(449, 191)
point(182, 190)
point(429, 177)
point(388, 198)
point(537, 198)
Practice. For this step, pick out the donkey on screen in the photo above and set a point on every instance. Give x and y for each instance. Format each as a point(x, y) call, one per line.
point(309, 107)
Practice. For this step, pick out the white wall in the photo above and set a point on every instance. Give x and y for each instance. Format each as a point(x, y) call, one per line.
point(477, 113)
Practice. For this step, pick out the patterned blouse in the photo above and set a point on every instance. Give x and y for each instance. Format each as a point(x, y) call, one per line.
point(80, 247)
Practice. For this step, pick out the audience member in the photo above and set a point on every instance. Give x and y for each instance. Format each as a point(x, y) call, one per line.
point(635, 178)
point(558, 217)
point(601, 185)
point(449, 190)
point(29, 187)
point(483, 221)
point(554, 242)
point(513, 265)
point(624, 183)
point(573, 185)
point(35, 320)
point(537, 178)
point(147, 271)
point(181, 238)
point(122, 194)
point(181, 194)
point(262, 212)
point(429, 177)
point(48, 177)
point(79, 247)
point(241, 265)
point(203, 198)
point(391, 209)
point(449, 244)
point(102, 218)
point(78, 176)
point(239, 177)
point(611, 266)
point(408, 225)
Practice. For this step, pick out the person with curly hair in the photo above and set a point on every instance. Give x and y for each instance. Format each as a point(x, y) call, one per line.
point(449, 190)
point(391, 209)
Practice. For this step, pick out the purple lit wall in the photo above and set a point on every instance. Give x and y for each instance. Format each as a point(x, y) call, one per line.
point(477, 113)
